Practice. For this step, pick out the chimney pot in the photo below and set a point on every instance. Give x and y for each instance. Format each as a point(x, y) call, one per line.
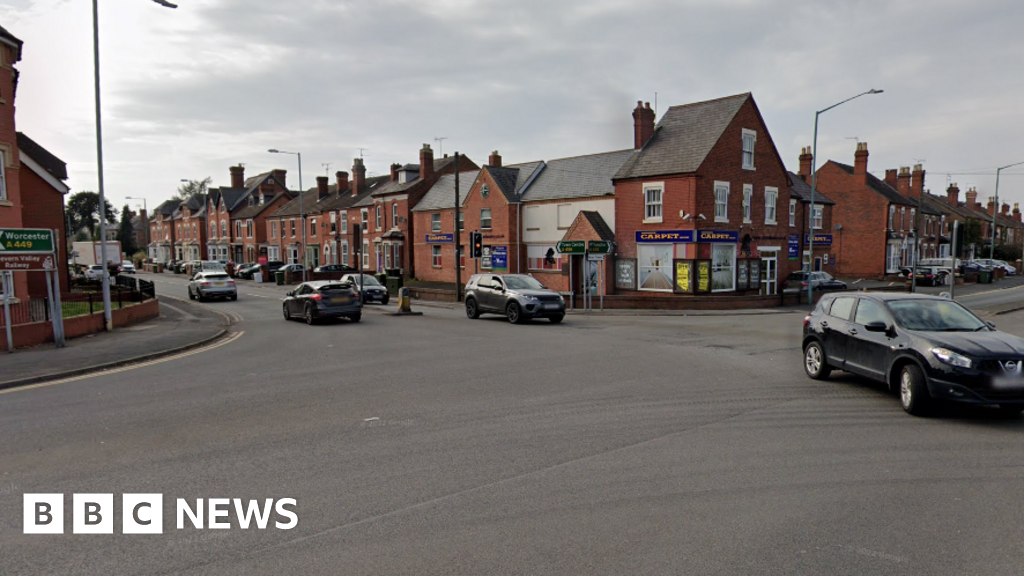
point(342, 180)
point(358, 176)
point(426, 162)
point(494, 160)
point(860, 159)
point(237, 176)
point(643, 124)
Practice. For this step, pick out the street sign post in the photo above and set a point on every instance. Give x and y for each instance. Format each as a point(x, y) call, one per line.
point(571, 247)
point(20, 262)
point(599, 247)
point(26, 241)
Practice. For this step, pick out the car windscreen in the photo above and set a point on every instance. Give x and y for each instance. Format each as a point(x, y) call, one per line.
point(367, 281)
point(522, 283)
point(934, 316)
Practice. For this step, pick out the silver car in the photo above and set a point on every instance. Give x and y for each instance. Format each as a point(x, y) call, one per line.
point(519, 297)
point(212, 285)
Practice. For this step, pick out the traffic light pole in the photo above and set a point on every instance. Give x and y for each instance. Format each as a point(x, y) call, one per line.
point(458, 236)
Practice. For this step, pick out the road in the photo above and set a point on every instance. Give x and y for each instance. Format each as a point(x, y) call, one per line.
point(440, 445)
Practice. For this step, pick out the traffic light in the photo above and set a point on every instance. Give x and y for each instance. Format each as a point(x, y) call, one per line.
point(477, 240)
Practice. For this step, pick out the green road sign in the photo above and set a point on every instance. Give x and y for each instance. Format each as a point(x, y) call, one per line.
point(599, 247)
point(571, 247)
point(26, 241)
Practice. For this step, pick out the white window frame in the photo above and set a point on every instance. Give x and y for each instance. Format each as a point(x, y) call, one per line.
point(792, 213)
point(223, 228)
point(334, 222)
point(721, 201)
point(892, 217)
point(435, 255)
point(312, 226)
point(366, 254)
point(377, 216)
point(394, 214)
point(238, 229)
point(273, 229)
point(903, 218)
point(490, 219)
point(748, 199)
point(818, 217)
point(364, 216)
point(751, 137)
point(435, 222)
point(344, 252)
point(654, 211)
point(293, 227)
point(732, 267)
point(248, 228)
point(343, 216)
point(771, 205)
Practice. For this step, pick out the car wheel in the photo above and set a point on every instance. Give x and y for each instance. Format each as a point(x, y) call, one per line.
point(190, 295)
point(355, 317)
point(309, 316)
point(287, 316)
point(472, 312)
point(815, 362)
point(234, 297)
point(514, 313)
point(385, 299)
point(557, 319)
point(199, 296)
point(1010, 410)
point(914, 397)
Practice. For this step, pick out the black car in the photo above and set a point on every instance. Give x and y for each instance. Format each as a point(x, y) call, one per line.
point(821, 281)
point(246, 270)
point(323, 299)
point(335, 268)
point(925, 347)
point(373, 291)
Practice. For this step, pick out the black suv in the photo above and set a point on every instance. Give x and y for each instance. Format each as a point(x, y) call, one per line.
point(924, 347)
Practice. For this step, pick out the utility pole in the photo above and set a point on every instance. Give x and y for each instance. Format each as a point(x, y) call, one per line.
point(458, 235)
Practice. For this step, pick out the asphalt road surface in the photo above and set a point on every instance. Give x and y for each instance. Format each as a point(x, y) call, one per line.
point(440, 445)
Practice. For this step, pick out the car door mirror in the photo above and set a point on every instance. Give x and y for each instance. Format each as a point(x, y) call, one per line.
point(876, 326)
point(290, 293)
point(991, 325)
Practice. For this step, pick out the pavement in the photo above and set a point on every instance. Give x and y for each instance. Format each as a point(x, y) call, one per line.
point(181, 326)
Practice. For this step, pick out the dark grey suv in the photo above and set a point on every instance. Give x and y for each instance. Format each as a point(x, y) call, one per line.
point(518, 297)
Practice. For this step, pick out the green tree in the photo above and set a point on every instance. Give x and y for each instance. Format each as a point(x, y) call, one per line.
point(126, 232)
point(83, 212)
point(191, 188)
point(972, 232)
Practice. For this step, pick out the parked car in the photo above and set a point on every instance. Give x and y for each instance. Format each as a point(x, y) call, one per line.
point(94, 273)
point(1010, 270)
point(216, 284)
point(323, 299)
point(372, 289)
point(820, 280)
point(974, 266)
point(925, 347)
point(335, 268)
point(126, 267)
point(274, 266)
point(246, 270)
point(930, 275)
point(519, 297)
point(293, 268)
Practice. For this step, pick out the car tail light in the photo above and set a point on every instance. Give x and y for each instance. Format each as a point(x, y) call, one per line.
point(318, 297)
point(806, 320)
point(803, 284)
point(205, 284)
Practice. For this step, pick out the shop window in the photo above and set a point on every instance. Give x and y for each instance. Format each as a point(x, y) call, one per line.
point(654, 267)
point(723, 267)
point(542, 257)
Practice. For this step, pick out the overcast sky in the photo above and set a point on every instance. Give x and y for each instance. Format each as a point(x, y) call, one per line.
point(189, 92)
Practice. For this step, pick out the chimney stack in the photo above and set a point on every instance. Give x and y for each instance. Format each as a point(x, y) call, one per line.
point(321, 187)
point(991, 206)
point(1006, 210)
point(917, 181)
point(342, 181)
point(805, 162)
point(280, 175)
point(972, 199)
point(426, 162)
point(394, 172)
point(860, 159)
point(1016, 211)
point(237, 176)
point(494, 160)
point(953, 195)
point(890, 177)
point(643, 124)
point(358, 176)
point(903, 181)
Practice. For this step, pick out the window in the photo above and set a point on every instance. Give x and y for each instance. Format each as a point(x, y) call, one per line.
point(792, 213)
point(462, 256)
point(842, 307)
point(312, 226)
point(723, 267)
point(817, 219)
point(224, 228)
point(913, 219)
point(435, 222)
point(748, 194)
point(721, 201)
point(394, 215)
point(334, 222)
point(435, 255)
point(542, 258)
point(485, 218)
point(248, 228)
point(344, 222)
point(771, 199)
point(462, 220)
point(869, 311)
point(366, 253)
point(365, 215)
point(903, 218)
point(892, 217)
point(344, 252)
point(565, 216)
point(293, 227)
point(654, 267)
point(273, 229)
point(213, 231)
point(3, 176)
point(749, 138)
point(378, 216)
point(653, 203)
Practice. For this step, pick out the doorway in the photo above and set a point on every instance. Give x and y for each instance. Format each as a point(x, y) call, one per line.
point(769, 272)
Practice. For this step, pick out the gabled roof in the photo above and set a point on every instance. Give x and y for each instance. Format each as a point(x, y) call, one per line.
point(800, 190)
point(884, 189)
point(232, 197)
point(167, 208)
point(441, 195)
point(513, 178)
point(254, 210)
point(942, 205)
point(683, 138)
point(577, 177)
point(312, 204)
point(9, 38)
point(53, 165)
point(598, 224)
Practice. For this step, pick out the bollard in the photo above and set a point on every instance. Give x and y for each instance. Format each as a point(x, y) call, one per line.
point(404, 305)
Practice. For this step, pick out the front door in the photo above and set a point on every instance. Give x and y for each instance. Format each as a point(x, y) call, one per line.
point(769, 273)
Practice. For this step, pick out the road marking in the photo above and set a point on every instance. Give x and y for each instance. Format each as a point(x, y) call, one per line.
point(260, 296)
point(991, 291)
point(224, 342)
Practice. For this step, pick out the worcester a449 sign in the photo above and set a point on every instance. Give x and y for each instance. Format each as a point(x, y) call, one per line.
point(26, 241)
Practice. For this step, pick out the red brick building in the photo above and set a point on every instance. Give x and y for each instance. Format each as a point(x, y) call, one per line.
point(702, 206)
point(42, 196)
point(162, 232)
point(190, 228)
point(264, 195)
point(10, 165)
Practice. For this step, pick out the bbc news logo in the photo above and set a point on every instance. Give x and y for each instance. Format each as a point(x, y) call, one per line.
point(144, 513)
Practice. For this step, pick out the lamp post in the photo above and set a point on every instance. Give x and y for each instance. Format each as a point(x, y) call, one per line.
point(814, 184)
point(302, 211)
point(107, 320)
point(995, 210)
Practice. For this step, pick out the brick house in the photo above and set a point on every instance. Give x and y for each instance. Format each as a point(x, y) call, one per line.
point(162, 232)
point(701, 206)
point(827, 239)
point(42, 197)
point(190, 227)
point(264, 195)
point(878, 217)
point(10, 165)
point(222, 202)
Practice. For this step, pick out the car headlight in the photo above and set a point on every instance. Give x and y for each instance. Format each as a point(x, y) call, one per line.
point(952, 358)
point(529, 298)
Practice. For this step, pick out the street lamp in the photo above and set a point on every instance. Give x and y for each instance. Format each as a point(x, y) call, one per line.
point(107, 319)
point(302, 212)
point(995, 209)
point(814, 185)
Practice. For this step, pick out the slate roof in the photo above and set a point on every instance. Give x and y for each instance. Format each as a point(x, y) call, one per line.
point(255, 209)
point(600, 226)
point(333, 201)
point(801, 191)
point(941, 204)
point(441, 195)
point(683, 138)
point(233, 197)
point(55, 166)
point(577, 177)
point(167, 208)
point(885, 190)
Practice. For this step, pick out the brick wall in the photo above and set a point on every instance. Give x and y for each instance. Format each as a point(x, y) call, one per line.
point(43, 207)
point(863, 213)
